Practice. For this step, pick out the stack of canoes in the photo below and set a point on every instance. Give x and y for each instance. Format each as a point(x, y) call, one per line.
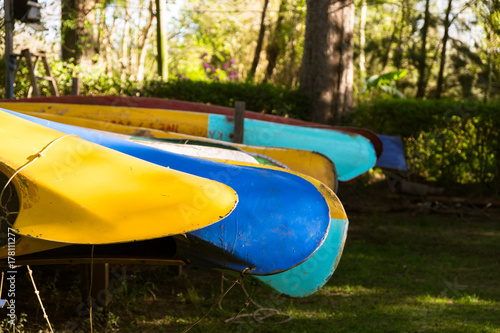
point(105, 183)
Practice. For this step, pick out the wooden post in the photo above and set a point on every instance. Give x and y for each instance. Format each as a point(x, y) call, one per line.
point(9, 61)
point(100, 283)
point(75, 86)
point(239, 121)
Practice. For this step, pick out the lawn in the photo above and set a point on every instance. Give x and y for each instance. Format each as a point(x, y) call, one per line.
point(403, 270)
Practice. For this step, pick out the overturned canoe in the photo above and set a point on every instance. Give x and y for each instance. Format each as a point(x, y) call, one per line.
point(352, 153)
point(172, 104)
point(307, 162)
point(72, 191)
point(270, 220)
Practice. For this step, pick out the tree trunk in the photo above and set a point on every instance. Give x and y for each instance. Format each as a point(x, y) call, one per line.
point(421, 85)
point(102, 33)
point(260, 41)
point(276, 42)
point(109, 32)
point(346, 74)
point(79, 44)
point(142, 42)
point(126, 44)
point(326, 73)
point(398, 60)
point(489, 71)
point(447, 23)
point(362, 24)
point(387, 54)
point(293, 73)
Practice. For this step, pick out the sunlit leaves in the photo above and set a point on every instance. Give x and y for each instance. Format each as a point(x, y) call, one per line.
point(385, 82)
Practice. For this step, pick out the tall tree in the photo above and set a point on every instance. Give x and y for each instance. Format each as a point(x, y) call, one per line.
point(277, 41)
point(126, 43)
point(260, 41)
point(80, 37)
point(489, 13)
point(444, 44)
point(422, 62)
point(142, 39)
point(327, 71)
point(362, 24)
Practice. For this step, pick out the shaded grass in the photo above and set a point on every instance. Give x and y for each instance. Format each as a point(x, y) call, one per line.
point(399, 273)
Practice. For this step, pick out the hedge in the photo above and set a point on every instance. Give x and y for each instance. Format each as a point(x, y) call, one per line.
point(264, 98)
point(445, 141)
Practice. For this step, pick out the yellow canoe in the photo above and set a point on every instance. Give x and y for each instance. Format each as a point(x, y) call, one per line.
point(306, 162)
point(72, 191)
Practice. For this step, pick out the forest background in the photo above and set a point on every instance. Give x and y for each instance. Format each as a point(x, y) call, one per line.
point(426, 70)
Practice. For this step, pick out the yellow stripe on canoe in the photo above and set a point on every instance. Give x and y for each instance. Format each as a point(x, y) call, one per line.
point(82, 193)
point(192, 123)
point(303, 161)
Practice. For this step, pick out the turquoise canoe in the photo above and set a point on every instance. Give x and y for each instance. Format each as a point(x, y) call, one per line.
point(310, 276)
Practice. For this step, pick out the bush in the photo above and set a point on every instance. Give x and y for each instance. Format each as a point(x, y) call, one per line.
point(264, 98)
point(445, 141)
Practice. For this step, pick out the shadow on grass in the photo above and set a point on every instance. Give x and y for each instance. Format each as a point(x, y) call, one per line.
point(399, 273)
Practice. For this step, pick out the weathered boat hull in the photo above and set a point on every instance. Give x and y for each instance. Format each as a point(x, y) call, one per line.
point(310, 276)
point(307, 162)
point(271, 229)
point(73, 191)
point(170, 104)
point(352, 153)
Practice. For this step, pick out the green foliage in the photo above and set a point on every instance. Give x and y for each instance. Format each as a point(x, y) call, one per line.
point(264, 98)
point(399, 272)
point(20, 321)
point(385, 82)
point(445, 141)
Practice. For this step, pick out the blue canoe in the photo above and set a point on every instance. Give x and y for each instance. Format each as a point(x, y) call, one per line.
point(393, 154)
point(271, 230)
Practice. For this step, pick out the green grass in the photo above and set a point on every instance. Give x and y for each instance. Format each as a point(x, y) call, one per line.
point(400, 272)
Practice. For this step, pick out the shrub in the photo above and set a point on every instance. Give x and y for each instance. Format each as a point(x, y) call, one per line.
point(445, 141)
point(264, 98)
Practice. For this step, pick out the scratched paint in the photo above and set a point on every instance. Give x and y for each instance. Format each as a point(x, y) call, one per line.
point(164, 120)
point(353, 154)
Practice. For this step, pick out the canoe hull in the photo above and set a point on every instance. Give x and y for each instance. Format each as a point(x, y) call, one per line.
point(310, 276)
point(311, 163)
point(280, 220)
point(74, 191)
point(353, 154)
point(170, 104)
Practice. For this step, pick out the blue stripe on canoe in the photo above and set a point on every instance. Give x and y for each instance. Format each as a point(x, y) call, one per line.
point(353, 154)
point(280, 220)
point(308, 277)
